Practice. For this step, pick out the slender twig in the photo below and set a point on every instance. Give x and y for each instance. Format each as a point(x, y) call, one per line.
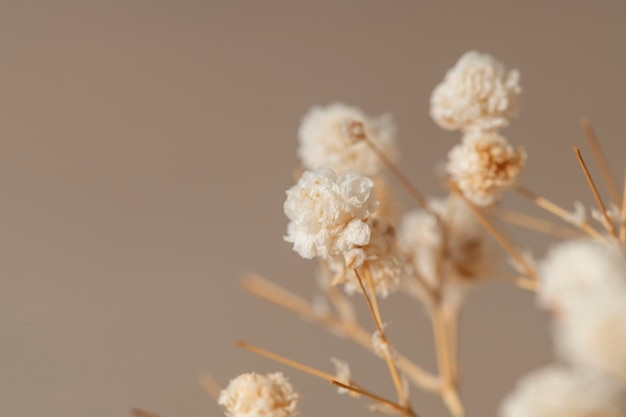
point(286, 361)
point(603, 163)
point(136, 412)
point(265, 289)
point(622, 230)
point(372, 304)
point(536, 224)
point(210, 385)
point(399, 408)
point(558, 211)
point(498, 235)
point(609, 223)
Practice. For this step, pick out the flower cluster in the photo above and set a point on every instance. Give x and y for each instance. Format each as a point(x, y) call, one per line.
point(255, 395)
point(478, 96)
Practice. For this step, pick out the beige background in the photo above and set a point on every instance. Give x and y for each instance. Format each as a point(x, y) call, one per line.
point(145, 150)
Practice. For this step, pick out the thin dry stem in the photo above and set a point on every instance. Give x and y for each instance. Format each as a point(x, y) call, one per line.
point(136, 412)
point(451, 316)
point(622, 230)
point(286, 361)
point(372, 303)
point(537, 224)
point(557, 210)
point(399, 408)
point(210, 385)
point(603, 163)
point(498, 235)
point(596, 194)
point(265, 289)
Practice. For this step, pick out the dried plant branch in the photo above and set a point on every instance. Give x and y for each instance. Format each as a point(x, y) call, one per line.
point(557, 210)
point(609, 224)
point(271, 292)
point(399, 408)
point(498, 235)
point(537, 224)
point(136, 412)
point(600, 157)
point(372, 304)
point(622, 230)
point(210, 384)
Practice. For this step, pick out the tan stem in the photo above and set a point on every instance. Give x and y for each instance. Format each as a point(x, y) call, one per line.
point(603, 163)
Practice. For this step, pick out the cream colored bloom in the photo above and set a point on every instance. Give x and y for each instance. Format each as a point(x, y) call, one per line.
point(328, 213)
point(470, 253)
point(593, 333)
point(325, 140)
point(484, 165)
point(255, 395)
point(381, 257)
point(560, 392)
point(575, 269)
point(343, 375)
point(478, 92)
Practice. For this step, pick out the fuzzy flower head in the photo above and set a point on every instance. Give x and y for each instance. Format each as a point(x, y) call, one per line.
point(559, 392)
point(254, 395)
point(574, 270)
point(478, 92)
point(470, 254)
point(381, 257)
point(326, 139)
point(484, 165)
point(328, 213)
point(593, 334)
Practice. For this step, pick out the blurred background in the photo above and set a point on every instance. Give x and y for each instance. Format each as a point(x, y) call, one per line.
point(145, 150)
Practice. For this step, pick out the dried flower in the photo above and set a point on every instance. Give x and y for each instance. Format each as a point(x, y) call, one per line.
point(468, 257)
point(381, 257)
point(484, 165)
point(325, 140)
point(478, 92)
point(255, 395)
point(593, 334)
point(382, 347)
point(329, 213)
point(344, 376)
point(574, 269)
point(560, 392)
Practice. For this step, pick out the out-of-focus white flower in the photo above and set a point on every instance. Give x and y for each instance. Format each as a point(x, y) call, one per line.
point(325, 140)
point(469, 256)
point(593, 334)
point(484, 165)
point(329, 213)
point(560, 392)
point(575, 269)
point(381, 257)
point(579, 215)
point(613, 212)
point(255, 395)
point(478, 92)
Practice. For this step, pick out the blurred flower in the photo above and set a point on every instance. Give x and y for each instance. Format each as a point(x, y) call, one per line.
point(326, 140)
point(560, 392)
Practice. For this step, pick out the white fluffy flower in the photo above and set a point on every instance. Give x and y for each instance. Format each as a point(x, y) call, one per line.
point(469, 255)
point(478, 92)
point(381, 257)
point(255, 395)
point(325, 140)
point(593, 334)
point(560, 392)
point(575, 269)
point(484, 165)
point(329, 213)
point(343, 375)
